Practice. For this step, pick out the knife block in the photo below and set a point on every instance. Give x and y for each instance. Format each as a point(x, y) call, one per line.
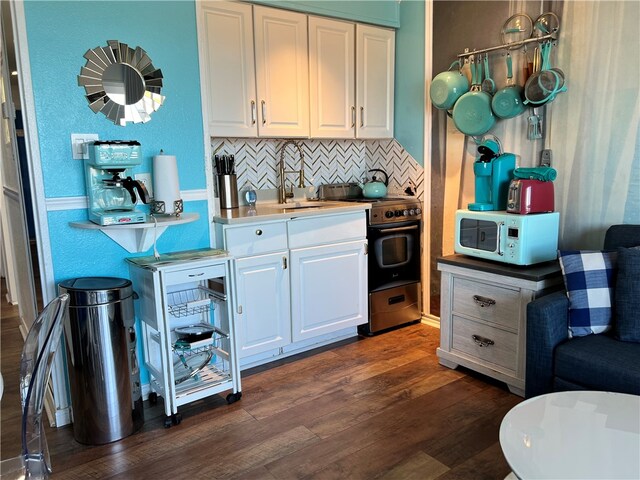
point(228, 191)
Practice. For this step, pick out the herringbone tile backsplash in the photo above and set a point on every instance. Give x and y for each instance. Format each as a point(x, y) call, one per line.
point(326, 161)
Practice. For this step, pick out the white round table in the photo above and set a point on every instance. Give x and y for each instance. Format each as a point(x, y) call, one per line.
point(574, 435)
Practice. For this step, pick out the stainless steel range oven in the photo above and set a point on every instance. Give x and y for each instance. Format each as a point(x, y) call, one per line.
point(393, 233)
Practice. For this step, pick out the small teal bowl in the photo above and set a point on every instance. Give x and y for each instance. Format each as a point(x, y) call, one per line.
point(508, 102)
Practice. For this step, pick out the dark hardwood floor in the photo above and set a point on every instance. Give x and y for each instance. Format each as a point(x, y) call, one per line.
point(379, 407)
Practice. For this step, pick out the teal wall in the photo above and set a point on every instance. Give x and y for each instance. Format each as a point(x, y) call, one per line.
point(59, 33)
point(410, 81)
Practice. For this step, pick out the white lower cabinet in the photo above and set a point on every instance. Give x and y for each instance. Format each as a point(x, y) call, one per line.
point(262, 292)
point(299, 283)
point(328, 288)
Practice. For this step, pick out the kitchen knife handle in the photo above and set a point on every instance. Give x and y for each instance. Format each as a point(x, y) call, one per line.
point(253, 112)
point(362, 116)
point(353, 117)
point(264, 115)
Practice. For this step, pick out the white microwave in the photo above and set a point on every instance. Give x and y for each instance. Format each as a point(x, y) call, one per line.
point(507, 237)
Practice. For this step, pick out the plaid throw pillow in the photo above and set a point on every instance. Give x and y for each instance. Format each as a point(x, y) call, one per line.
point(589, 277)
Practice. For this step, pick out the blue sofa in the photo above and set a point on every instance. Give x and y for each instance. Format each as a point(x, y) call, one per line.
point(593, 362)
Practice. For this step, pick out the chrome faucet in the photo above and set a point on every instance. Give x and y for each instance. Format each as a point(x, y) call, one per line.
point(282, 188)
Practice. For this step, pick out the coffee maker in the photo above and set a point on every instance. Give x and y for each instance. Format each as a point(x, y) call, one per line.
point(112, 191)
point(493, 171)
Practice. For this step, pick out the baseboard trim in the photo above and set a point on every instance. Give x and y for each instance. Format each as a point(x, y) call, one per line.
point(431, 320)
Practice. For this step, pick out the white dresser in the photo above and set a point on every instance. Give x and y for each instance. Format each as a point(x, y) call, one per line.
point(483, 314)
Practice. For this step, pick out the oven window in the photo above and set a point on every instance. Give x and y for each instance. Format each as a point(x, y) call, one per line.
point(394, 250)
point(479, 234)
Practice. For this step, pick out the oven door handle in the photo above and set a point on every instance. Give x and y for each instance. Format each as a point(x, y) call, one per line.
point(398, 229)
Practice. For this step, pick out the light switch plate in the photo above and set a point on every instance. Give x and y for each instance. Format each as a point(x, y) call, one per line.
point(79, 149)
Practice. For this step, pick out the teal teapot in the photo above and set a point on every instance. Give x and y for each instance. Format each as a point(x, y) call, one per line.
point(375, 188)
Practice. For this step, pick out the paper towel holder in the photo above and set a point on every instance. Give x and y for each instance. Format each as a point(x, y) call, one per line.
point(159, 208)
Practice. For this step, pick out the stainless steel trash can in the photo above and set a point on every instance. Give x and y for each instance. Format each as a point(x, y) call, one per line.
point(106, 397)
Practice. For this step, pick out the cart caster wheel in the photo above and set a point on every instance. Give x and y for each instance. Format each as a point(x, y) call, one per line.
point(153, 398)
point(234, 397)
point(168, 422)
point(176, 419)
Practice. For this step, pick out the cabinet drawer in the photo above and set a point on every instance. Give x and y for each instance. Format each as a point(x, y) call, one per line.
point(307, 232)
point(502, 352)
point(486, 302)
point(194, 274)
point(256, 238)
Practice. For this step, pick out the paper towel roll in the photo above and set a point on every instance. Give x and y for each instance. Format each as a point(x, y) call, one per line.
point(166, 186)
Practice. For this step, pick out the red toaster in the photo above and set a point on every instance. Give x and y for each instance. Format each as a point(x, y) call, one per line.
point(530, 196)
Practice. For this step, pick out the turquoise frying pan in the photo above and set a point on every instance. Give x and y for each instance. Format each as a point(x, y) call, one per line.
point(472, 113)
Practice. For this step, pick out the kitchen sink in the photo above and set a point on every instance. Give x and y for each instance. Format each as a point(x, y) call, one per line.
point(295, 206)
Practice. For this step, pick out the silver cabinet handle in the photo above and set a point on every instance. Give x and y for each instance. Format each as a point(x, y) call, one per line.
point(362, 116)
point(481, 341)
point(196, 274)
point(239, 309)
point(284, 263)
point(366, 249)
point(353, 117)
point(264, 115)
point(484, 301)
point(258, 232)
point(253, 112)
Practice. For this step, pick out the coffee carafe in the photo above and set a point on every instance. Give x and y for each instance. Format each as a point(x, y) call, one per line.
point(112, 191)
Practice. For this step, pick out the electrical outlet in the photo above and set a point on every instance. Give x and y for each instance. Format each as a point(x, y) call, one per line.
point(545, 158)
point(79, 145)
point(145, 179)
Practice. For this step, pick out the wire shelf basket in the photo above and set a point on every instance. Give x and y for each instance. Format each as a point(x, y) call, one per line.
point(189, 302)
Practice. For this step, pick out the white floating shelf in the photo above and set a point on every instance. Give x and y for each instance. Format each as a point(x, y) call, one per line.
point(138, 237)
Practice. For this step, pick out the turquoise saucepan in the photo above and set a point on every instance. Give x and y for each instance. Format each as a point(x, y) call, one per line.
point(508, 102)
point(447, 87)
point(472, 113)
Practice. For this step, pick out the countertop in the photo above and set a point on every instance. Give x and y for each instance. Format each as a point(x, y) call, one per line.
point(536, 273)
point(276, 211)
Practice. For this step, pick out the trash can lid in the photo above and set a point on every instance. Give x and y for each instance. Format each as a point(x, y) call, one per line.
point(88, 291)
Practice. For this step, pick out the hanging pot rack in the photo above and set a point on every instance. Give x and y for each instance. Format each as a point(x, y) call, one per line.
point(508, 46)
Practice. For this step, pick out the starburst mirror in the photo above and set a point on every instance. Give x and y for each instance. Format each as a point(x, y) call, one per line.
point(121, 82)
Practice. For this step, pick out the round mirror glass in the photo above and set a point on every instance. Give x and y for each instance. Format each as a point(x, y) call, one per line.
point(123, 84)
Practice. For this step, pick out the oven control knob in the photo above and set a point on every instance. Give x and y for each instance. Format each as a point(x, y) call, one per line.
point(388, 214)
point(405, 213)
point(418, 211)
point(412, 212)
point(398, 213)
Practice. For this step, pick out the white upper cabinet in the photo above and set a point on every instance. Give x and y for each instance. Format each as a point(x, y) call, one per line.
point(351, 79)
point(275, 73)
point(375, 60)
point(229, 69)
point(282, 72)
point(332, 78)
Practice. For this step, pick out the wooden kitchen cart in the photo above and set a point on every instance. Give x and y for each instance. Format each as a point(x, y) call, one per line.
point(187, 291)
point(483, 314)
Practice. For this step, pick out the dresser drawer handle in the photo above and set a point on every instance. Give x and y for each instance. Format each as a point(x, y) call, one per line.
point(484, 301)
point(481, 341)
point(258, 232)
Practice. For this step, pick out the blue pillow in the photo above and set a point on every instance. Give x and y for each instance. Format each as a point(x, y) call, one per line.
point(627, 324)
point(589, 277)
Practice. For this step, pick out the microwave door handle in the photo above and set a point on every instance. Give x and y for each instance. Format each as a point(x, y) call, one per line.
point(398, 229)
point(499, 239)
